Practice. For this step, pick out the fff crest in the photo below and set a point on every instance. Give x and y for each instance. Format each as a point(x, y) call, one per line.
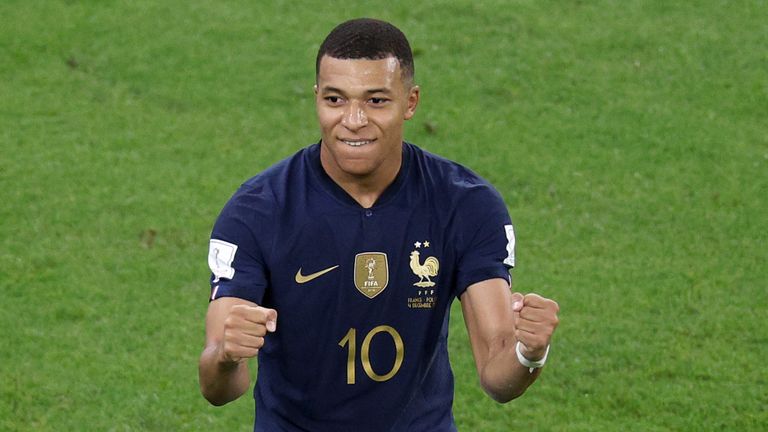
point(371, 273)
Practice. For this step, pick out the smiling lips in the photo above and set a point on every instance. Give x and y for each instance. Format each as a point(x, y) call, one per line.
point(356, 142)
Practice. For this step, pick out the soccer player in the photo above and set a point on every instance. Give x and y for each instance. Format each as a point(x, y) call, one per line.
point(337, 267)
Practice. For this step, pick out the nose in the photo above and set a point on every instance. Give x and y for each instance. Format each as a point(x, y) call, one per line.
point(354, 117)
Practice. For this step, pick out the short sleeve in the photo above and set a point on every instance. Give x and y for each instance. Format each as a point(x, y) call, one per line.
point(487, 243)
point(234, 254)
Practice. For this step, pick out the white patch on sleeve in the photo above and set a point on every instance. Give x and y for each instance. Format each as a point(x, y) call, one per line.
point(510, 260)
point(220, 257)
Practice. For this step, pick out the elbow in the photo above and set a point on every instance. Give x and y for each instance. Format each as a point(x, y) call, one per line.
point(219, 384)
point(502, 395)
point(217, 398)
point(218, 391)
point(212, 397)
point(216, 402)
point(505, 398)
point(503, 389)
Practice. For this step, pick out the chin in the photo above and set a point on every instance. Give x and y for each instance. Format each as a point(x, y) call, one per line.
point(357, 168)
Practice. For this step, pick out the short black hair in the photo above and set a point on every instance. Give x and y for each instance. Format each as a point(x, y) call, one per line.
point(370, 39)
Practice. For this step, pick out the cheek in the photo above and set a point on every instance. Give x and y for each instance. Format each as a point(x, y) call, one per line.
point(326, 119)
point(387, 122)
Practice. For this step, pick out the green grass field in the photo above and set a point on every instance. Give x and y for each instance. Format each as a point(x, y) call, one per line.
point(629, 140)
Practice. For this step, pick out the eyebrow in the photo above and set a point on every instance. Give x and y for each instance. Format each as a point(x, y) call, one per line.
point(329, 89)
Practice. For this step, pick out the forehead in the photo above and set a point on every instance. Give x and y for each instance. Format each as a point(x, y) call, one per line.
point(358, 73)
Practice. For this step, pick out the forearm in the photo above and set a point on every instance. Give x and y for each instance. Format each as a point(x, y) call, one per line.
point(502, 376)
point(222, 382)
point(496, 319)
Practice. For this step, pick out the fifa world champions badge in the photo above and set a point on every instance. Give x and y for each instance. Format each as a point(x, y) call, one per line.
point(371, 273)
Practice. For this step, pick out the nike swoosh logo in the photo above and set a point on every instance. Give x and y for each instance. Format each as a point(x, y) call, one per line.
point(300, 278)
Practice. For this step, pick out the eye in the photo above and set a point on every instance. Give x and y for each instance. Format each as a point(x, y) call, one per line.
point(378, 101)
point(333, 100)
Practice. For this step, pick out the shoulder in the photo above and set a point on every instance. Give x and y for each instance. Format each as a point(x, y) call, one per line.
point(250, 215)
point(258, 199)
point(466, 205)
point(450, 178)
point(268, 188)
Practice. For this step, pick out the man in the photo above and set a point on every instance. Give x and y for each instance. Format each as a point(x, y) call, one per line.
point(337, 267)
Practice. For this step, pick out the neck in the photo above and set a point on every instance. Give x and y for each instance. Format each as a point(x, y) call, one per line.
point(364, 188)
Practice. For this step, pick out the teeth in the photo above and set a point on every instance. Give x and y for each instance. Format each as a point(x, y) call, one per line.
point(356, 143)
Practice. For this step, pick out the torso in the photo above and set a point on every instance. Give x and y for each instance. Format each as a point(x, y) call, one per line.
point(365, 341)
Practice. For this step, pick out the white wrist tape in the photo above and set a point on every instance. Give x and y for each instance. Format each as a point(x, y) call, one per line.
point(529, 363)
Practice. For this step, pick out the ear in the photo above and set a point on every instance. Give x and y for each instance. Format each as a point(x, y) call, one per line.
point(413, 101)
point(315, 89)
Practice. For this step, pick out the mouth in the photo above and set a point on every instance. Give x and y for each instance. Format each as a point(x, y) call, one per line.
point(356, 142)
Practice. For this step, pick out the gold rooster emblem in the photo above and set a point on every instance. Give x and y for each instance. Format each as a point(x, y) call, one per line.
point(424, 271)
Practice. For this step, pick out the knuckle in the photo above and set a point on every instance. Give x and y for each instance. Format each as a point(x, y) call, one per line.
point(229, 348)
point(237, 309)
point(259, 313)
point(555, 306)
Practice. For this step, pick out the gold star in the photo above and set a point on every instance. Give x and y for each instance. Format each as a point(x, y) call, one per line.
point(426, 243)
point(417, 244)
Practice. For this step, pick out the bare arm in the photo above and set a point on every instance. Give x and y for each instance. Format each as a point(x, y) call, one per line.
point(234, 332)
point(496, 319)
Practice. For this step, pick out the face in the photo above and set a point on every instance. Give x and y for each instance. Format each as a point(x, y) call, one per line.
point(361, 107)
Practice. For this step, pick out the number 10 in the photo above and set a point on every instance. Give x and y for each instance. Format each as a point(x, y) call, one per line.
point(350, 340)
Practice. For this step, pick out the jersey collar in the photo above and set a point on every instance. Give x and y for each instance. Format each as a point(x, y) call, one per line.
point(330, 186)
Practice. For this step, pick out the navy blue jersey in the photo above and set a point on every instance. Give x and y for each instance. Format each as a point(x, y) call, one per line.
point(362, 294)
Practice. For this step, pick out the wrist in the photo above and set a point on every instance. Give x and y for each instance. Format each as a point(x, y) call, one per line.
point(530, 364)
point(225, 362)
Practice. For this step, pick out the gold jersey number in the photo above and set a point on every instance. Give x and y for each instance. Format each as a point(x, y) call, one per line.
point(350, 341)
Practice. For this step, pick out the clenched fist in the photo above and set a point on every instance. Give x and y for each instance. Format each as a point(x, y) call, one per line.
point(535, 321)
point(244, 331)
